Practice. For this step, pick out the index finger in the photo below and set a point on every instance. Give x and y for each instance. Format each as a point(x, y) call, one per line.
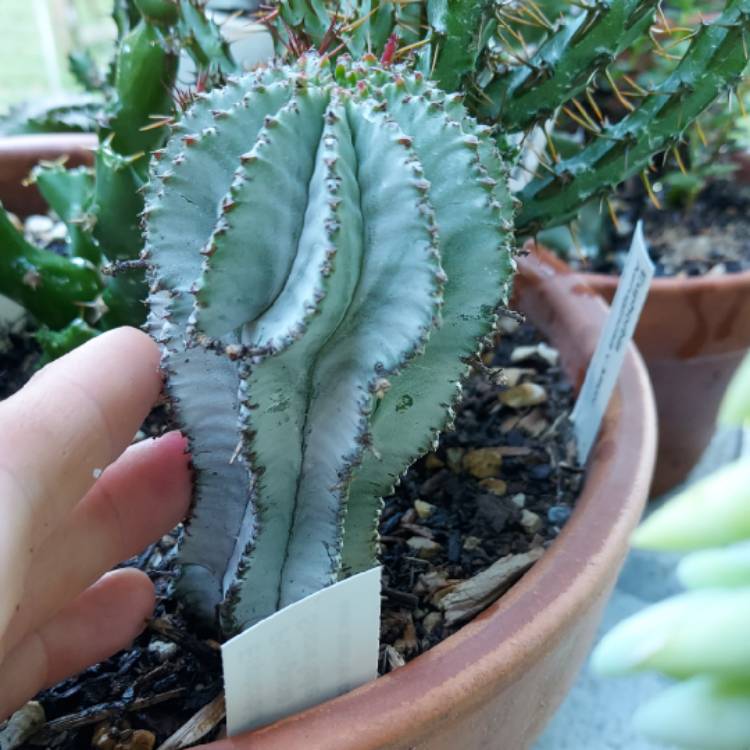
point(72, 419)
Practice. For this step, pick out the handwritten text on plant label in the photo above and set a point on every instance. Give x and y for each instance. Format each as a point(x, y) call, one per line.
point(606, 363)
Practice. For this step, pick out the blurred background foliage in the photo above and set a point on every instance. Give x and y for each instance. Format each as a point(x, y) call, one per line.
point(36, 37)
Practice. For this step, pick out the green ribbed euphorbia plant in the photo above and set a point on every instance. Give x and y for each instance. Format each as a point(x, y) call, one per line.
point(328, 246)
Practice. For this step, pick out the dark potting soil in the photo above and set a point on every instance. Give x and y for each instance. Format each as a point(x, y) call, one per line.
point(711, 236)
point(465, 523)
point(19, 357)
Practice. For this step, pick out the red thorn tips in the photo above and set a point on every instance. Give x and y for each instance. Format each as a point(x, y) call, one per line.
point(389, 50)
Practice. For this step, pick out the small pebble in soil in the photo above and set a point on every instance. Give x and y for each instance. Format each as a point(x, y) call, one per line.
point(523, 394)
point(162, 650)
point(557, 515)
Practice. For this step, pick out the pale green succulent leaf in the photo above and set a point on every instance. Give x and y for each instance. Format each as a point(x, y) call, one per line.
point(702, 713)
point(722, 567)
point(710, 512)
point(735, 405)
point(701, 631)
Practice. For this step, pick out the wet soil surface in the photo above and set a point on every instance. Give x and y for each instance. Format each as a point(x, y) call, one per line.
point(466, 522)
point(712, 236)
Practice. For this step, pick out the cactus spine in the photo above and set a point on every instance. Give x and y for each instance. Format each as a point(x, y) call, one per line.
point(327, 305)
point(519, 96)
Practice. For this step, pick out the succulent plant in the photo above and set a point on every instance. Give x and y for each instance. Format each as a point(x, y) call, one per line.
point(328, 247)
point(700, 636)
point(713, 63)
point(68, 294)
point(314, 410)
point(328, 243)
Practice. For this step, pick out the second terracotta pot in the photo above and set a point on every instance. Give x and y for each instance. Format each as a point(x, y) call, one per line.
point(693, 334)
point(20, 153)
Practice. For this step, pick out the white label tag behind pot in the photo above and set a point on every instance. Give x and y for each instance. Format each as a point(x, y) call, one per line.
point(606, 363)
point(308, 652)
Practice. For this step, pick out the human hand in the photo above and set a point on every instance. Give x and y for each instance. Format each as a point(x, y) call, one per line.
point(61, 529)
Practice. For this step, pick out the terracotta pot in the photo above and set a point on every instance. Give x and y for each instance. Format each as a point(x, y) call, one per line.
point(693, 334)
point(496, 682)
point(19, 153)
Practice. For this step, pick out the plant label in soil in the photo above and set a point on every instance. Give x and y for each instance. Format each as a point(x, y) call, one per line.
point(606, 363)
point(308, 652)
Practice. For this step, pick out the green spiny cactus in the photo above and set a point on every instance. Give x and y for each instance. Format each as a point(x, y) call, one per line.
point(448, 39)
point(340, 236)
point(102, 208)
point(481, 50)
point(714, 62)
point(456, 40)
point(562, 67)
point(24, 269)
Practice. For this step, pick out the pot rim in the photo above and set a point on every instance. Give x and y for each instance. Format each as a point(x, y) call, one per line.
point(667, 285)
point(20, 153)
point(528, 621)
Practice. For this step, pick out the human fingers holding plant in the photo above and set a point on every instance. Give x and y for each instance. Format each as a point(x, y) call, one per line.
point(74, 501)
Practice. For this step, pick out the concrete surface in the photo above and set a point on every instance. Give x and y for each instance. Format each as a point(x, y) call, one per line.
point(596, 714)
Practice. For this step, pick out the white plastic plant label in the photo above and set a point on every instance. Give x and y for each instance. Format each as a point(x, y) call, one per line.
point(308, 652)
point(606, 363)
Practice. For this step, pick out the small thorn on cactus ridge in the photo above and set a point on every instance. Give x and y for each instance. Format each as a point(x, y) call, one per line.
point(389, 50)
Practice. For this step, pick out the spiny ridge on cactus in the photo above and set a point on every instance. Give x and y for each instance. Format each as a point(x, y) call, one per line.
point(340, 235)
point(562, 66)
point(713, 63)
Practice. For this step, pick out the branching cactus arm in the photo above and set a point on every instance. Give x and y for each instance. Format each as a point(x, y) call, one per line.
point(564, 64)
point(713, 63)
point(181, 212)
point(460, 28)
